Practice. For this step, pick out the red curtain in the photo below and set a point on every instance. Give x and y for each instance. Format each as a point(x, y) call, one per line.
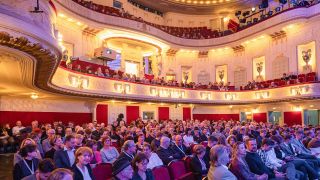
point(132, 113)
point(292, 118)
point(163, 113)
point(102, 113)
point(43, 117)
point(216, 117)
point(186, 113)
point(260, 117)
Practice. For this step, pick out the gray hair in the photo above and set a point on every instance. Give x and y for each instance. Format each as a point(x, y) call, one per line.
point(218, 156)
point(127, 144)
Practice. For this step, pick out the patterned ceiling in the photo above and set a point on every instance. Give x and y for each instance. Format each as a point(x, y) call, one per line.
point(199, 6)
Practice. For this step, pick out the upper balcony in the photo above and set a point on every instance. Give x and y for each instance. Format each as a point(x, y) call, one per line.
point(107, 17)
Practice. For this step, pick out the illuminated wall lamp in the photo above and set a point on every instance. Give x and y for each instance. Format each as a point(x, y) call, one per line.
point(205, 95)
point(34, 96)
point(230, 96)
point(301, 90)
point(262, 95)
point(79, 82)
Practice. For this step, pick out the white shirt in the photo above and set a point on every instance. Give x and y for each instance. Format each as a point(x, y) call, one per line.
point(71, 156)
point(85, 174)
point(16, 130)
point(154, 161)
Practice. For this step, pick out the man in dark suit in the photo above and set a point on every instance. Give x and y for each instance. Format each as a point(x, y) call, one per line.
point(212, 141)
point(164, 151)
point(129, 150)
point(64, 158)
point(178, 147)
point(199, 167)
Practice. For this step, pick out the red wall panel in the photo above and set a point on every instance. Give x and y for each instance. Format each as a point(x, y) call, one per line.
point(216, 117)
point(292, 118)
point(43, 117)
point(102, 113)
point(260, 117)
point(132, 113)
point(186, 113)
point(163, 113)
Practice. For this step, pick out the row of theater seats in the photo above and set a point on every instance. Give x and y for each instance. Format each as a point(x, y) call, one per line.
point(176, 170)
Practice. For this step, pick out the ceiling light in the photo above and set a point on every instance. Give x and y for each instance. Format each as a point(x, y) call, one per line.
point(274, 108)
point(253, 9)
point(34, 96)
point(226, 19)
point(311, 106)
point(61, 15)
point(189, 1)
point(214, 2)
point(79, 23)
point(230, 106)
point(207, 2)
point(70, 19)
point(195, 2)
point(201, 2)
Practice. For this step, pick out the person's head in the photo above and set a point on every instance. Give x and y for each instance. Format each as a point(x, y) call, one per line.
point(299, 134)
point(83, 155)
point(141, 138)
point(29, 151)
point(188, 131)
point(106, 141)
point(45, 167)
point(70, 142)
point(231, 140)
point(263, 133)
point(178, 140)
point(288, 138)
point(239, 150)
point(147, 149)
point(219, 155)
point(61, 174)
point(267, 144)
point(140, 162)
point(34, 124)
point(18, 123)
point(122, 169)
point(68, 131)
point(56, 141)
point(199, 150)
point(51, 133)
point(129, 147)
point(212, 141)
point(251, 145)
point(92, 144)
point(165, 142)
point(26, 142)
point(79, 139)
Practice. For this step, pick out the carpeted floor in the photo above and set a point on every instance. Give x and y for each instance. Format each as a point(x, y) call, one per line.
point(6, 166)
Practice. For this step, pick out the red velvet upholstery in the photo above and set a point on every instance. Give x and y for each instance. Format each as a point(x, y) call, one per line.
point(102, 171)
point(186, 113)
point(177, 169)
point(216, 117)
point(292, 118)
point(132, 113)
point(187, 162)
point(161, 173)
point(43, 117)
point(102, 113)
point(260, 117)
point(163, 113)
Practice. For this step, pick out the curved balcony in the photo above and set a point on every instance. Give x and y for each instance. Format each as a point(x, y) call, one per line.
point(72, 82)
point(110, 21)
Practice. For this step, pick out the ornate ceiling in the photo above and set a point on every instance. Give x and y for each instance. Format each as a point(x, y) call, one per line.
point(198, 6)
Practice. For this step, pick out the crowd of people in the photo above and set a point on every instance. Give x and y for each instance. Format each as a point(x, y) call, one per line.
point(215, 149)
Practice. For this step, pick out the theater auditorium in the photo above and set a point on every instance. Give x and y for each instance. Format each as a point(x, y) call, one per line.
point(159, 89)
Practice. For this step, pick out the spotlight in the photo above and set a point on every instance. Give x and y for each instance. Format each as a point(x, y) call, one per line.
point(253, 9)
point(34, 96)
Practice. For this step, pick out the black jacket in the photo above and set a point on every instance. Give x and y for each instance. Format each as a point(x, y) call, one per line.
point(179, 153)
point(124, 155)
point(257, 166)
point(61, 159)
point(167, 155)
point(77, 175)
point(20, 169)
point(149, 175)
point(196, 167)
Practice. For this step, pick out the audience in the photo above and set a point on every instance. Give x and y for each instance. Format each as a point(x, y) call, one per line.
point(81, 168)
point(46, 166)
point(56, 143)
point(108, 153)
point(64, 158)
point(153, 158)
point(199, 166)
point(122, 169)
point(129, 150)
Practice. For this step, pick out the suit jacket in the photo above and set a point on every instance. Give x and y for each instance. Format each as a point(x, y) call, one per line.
point(196, 167)
point(287, 150)
point(166, 155)
point(179, 153)
point(61, 159)
point(220, 173)
point(21, 170)
point(241, 169)
point(300, 145)
point(124, 155)
point(257, 166)
point(149, 175)
point(77, 175)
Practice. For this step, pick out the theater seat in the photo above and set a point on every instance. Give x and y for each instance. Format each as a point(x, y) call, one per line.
point(161, 173)
point(102, 171)
point(178, 171)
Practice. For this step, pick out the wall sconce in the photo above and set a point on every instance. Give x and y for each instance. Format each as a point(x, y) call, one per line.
point(122, 88)
point(34, 96)
point(230, 96)
point(153, 91)
point(262, 94)
point(301, 90)
point(205, 95)
point(79, 82)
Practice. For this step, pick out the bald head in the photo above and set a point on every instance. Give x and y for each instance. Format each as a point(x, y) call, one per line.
point(178, 140)
point(164, 142)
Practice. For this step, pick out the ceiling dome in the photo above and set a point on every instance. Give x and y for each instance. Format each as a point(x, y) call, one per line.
point(198, 6)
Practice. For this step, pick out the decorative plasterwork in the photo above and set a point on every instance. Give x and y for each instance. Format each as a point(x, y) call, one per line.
point(278, 35)
point(171, 52)
point(239, 48)
point(203, 54)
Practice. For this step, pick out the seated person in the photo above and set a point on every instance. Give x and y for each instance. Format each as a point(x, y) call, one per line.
point(139, 164)
point(129, 150)
point(99, 72)
point(122, 170)
point(108, 153)
point(164, 151)
point(178, 147)
point(154, 159)
point(46, 166)
point(82, 169)
point(199, 166)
